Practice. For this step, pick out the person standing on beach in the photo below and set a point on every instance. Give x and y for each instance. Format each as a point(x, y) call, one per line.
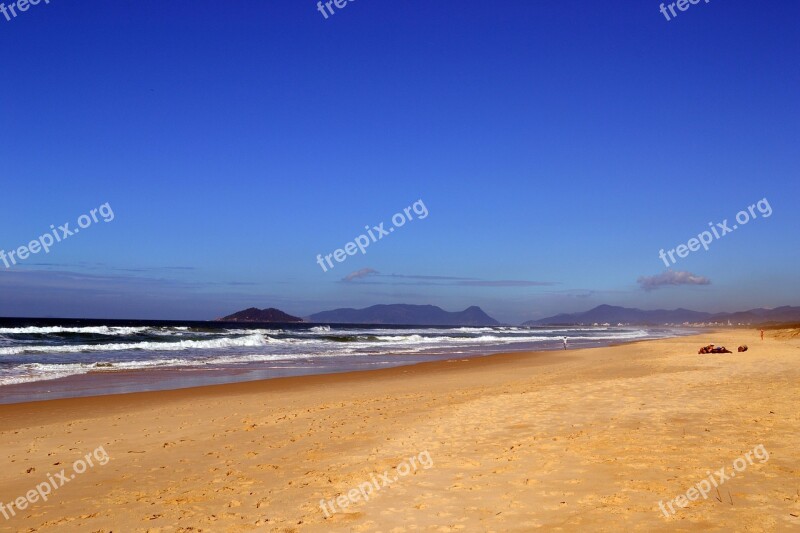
point(762, 334)
point(564, 340)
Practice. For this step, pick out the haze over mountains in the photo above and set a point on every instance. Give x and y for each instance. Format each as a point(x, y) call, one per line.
point(614, 315)
point(431, 315)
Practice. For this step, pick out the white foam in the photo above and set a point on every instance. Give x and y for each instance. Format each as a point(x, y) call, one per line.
point(31, 372)
point(418, 339)
point(253, 331)
point(225, 342)
point(99, 330)
point(407, 339)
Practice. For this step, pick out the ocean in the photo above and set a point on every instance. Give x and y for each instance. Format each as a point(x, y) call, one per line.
point(43, 358)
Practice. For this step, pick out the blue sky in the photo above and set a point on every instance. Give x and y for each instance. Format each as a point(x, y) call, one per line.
point(557, 146)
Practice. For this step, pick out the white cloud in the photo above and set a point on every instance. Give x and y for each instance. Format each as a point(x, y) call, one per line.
point(671, 277)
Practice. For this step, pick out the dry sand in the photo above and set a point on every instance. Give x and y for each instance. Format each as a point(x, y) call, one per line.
point(578, 440)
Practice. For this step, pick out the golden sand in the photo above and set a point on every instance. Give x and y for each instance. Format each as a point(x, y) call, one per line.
point(585, 440)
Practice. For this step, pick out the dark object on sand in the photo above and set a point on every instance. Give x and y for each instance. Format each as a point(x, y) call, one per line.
point(712, 349)
point(742, 348)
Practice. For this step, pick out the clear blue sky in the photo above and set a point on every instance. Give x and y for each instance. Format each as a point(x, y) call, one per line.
point(559, 144)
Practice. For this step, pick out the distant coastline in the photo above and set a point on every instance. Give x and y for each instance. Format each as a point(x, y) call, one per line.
point(602, 315)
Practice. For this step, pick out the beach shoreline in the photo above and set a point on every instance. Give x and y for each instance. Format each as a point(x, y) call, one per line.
point(590, 438)
point(268, 385)
point(104, 378)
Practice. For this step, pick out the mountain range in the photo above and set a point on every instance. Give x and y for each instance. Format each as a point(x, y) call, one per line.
point(614, 315)
point(403, 314)
point(431, 315)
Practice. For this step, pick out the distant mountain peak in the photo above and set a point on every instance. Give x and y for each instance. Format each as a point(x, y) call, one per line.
point(254, 314)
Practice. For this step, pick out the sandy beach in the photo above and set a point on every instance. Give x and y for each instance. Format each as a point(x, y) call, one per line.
point(569, 440)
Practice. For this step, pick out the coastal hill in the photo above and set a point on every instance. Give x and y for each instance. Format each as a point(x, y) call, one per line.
point(404, 314)
point(614, 315)
point(260, 315)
